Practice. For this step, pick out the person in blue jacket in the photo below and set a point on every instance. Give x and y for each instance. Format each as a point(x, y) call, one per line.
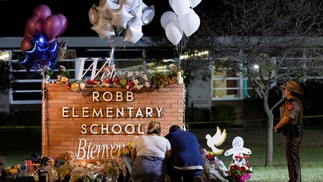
point(186, 162)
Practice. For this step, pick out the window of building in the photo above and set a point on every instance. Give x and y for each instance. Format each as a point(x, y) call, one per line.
point(228, 84)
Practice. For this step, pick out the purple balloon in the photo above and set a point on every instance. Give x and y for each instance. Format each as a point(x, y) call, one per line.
point(25, 44)
point(42, 11)
point(63, 22)
point(27, 34)
point(34, 24)
point(52, 27)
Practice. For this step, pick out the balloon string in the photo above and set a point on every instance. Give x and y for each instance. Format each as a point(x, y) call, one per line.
point(180, 49)
point(112, 56)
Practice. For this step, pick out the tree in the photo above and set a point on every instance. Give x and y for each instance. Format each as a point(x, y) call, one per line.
point(268, 41)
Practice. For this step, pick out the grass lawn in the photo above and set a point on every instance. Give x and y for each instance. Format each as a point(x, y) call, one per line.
point(18, 144)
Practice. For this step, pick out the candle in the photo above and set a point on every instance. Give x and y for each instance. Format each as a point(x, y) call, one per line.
point(179, 77)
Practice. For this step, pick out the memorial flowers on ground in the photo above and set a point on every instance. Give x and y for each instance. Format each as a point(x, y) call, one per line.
point(70, 168)
point(239, 168)
point(240, 172)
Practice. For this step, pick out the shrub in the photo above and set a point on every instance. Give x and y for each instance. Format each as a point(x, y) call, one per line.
point(194, 114)
point(223, 113)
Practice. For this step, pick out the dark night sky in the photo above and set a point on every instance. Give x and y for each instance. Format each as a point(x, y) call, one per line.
point(15, 13)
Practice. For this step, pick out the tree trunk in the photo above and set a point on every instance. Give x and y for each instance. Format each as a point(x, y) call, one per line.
point(270, 125)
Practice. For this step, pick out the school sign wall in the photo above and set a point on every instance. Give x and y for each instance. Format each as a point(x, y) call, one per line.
point(97, 122)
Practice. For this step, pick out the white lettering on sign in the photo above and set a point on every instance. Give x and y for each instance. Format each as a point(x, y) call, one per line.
point(112, 112)
point(109, 96)
point(86, 150)
point(93, 66)
point(88, 147)
point(116, 129)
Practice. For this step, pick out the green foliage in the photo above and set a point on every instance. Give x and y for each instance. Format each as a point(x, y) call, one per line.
point(63, 71)
point(194, 114)
point(49, 72)
point(158, 78)
point(223, 113)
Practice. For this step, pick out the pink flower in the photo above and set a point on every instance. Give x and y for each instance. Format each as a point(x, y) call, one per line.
point(244, 177)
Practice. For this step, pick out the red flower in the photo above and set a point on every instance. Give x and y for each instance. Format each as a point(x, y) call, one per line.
point(234, 167)
point(242, 169)
point(238, 157)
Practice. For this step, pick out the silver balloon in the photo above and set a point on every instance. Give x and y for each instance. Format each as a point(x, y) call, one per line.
point(93, 14)
point(103, 27)
point(137, 14)
point(120, 17)
point(148, 14)
point(133, 34)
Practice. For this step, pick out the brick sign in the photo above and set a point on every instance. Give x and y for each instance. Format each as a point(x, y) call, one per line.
point(96, 123)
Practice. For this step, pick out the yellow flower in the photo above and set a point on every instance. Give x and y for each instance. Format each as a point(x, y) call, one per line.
point(75, 86)
point(128, 148)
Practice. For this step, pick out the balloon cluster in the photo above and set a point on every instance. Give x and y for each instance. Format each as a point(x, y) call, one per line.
point(183, 20)
point(39, 45)
point(121, 18)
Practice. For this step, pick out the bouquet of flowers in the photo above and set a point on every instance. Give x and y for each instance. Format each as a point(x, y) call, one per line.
point(128, 148)
point(215, 168)
point(210, 156)
point(126, 164)
point(239, 170)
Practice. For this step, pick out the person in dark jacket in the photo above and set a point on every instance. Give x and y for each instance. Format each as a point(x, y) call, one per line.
point(186, 162)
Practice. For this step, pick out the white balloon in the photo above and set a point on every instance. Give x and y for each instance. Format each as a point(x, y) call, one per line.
point(180, 7)
point(148, 14)
point(120, 17)
point(194, 3)
point(190, 22)
point(174, 33)
point(133, 34)
point(167, 17)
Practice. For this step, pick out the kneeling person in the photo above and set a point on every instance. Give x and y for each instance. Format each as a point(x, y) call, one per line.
point(186, 159)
